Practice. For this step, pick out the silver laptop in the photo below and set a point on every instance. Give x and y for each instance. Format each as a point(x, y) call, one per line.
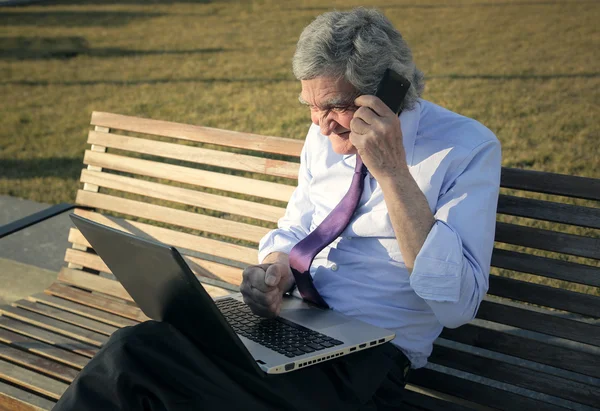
point(165, 288)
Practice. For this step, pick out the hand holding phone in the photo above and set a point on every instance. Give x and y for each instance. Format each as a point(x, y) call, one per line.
point(392, 89)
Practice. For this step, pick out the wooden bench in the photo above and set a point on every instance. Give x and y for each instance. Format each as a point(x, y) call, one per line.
point(215, 193)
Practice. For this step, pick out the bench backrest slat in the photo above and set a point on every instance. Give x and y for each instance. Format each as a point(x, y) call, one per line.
point(172, 216)
point(558, 298)
point(540, 322)
point(546, 267)
point(551, 183)
point(187, 175)
point(548, 240)
point(266, 144)
point(549, 211)
point(196, 154)
point(183, 195)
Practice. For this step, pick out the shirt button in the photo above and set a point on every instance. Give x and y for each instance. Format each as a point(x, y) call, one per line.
point(334, 267)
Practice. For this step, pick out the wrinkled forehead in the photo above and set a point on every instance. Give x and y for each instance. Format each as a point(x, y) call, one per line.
point(327, 91)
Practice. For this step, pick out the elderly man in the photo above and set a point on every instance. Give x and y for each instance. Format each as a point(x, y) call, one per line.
point(413, 258)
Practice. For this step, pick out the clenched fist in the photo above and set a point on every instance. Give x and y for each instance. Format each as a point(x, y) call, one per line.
point(263, 287)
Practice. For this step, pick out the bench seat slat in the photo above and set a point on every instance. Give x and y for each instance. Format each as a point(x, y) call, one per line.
point(96, 301)
point(42, 349)
point(200, 178)
point(32, 380)
point(478, 392)
point(548, 240)
point(37, 364)
point(82, 310)
point(540, 322)
point(67, 317)
point(549, 211)
point(183, 196)
point(546, 267)
point(48, 337)
point(533, 380)
point(16, 399)
point(571, 301)
point(60, 327)
point(426, 402)
point(178, 239)
point(551, 183)
point(528, 349)
point(167, 215)
point(198, 155)
point(276, 145)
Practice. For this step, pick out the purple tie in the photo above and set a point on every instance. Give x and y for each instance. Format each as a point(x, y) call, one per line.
point(304, 252)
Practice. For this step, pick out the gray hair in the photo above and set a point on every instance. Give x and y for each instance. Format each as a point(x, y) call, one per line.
point(358, 45)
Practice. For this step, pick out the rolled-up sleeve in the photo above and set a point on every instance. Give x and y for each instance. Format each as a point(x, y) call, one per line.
point(295, 224)
point(452, 268)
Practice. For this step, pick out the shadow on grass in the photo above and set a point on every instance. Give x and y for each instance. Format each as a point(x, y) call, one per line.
point(24, 48)
point(101, 2)
point(512, 76)
point(72, 18)
point(63, 167)
point(454, 5)
point(156, 81)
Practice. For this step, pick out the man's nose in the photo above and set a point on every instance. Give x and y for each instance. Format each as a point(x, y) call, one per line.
point(326, 123)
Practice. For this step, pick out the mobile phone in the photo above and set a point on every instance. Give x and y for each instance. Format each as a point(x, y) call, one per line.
point(392, 89)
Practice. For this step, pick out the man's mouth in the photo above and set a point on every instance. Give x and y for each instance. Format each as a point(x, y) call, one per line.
point(345, 134)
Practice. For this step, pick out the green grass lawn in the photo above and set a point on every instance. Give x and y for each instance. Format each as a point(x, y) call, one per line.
point(526, 69)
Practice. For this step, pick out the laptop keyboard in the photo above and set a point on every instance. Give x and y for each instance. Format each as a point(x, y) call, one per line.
point(278, 334)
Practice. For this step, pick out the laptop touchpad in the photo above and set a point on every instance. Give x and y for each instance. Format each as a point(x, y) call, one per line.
point(314, 318)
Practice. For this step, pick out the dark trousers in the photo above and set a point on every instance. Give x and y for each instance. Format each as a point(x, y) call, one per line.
point(153, 367)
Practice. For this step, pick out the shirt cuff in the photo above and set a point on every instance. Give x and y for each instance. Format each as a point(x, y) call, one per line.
point(436, 275)
point(276, 241)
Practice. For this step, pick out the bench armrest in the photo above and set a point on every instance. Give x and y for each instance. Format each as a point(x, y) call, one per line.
point(35, 218)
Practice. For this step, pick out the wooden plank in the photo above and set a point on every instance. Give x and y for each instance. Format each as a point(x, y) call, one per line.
point(37, 364)
point(42, 349)
point(69, 330)
point(67, 317)
point(517, 346)
point(93, 282)
point(16, 399)
point(548, 240)
point(533, 380)
point(198, 155)
point(111, 287)
point(268, 144)
point(96, 301)
point(549, 211)
point(48, 337)
point(546, 267)
point(188, 175)
point(478, 392)
point(551, 183)
point(32, 380)
point(168, 215)
point(200, 267)
point(192, 242)
point(184, 196)
point(426, 402)
point(540, 322)
point(82, 310)
point(579, 303)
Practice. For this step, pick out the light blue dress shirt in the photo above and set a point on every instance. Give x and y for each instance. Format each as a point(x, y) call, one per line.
point(456, 162)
